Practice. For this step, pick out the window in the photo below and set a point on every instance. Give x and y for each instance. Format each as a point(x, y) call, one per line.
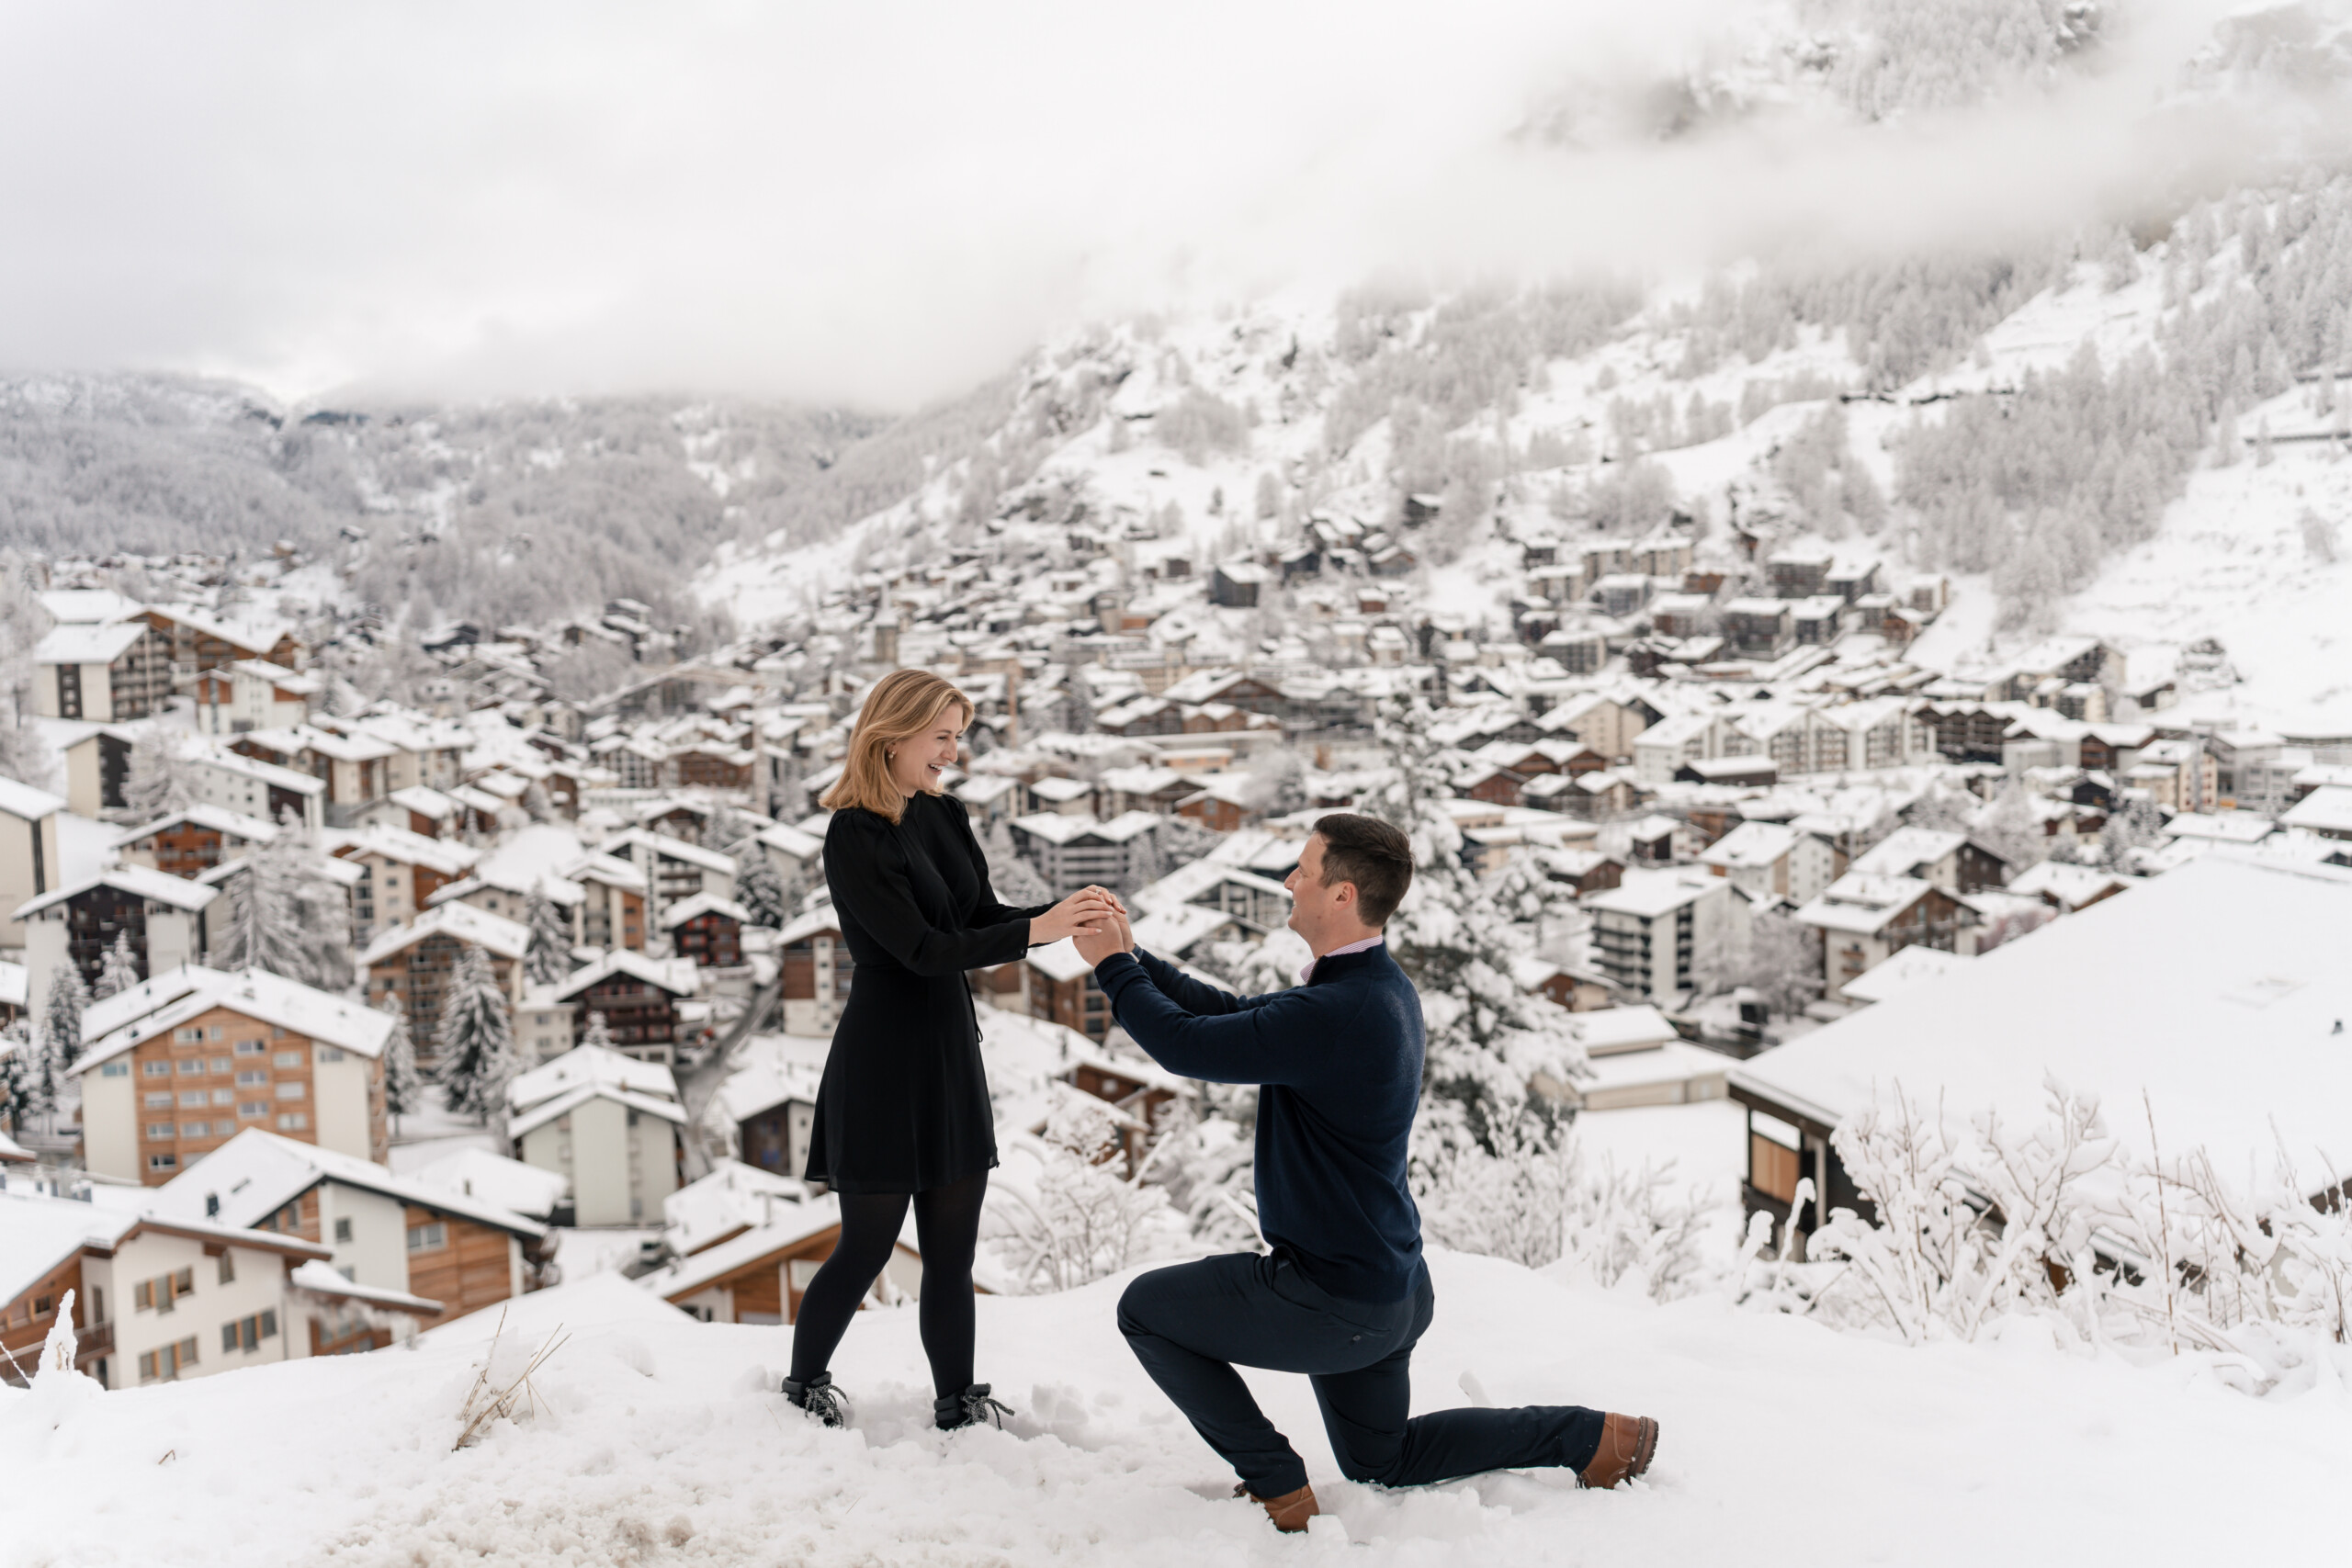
point(157, 1069)
point(159, 1129)
point(142, 1295)
point(191, 1037)
point(252, 1108)
point(115, 1071)
point(247, 1333)
point(221, 1064)
point(251, 1047)
point(159, 1101)
point(288, 1058)
point(292, 1121)
point(193, 1099)
point(224, 1096)
point(196, 1129)
point(192, 1066)
point(163, 1162)
point(343, 1230)
point(329, 1053)
point(429, 1237)
point(291, 1090)
point(253, 1079)
point(228, 1267)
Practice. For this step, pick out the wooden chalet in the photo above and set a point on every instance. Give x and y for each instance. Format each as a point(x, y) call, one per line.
point(193, 840)
point(757, 1276)
point(709, 930)
point(638, 996)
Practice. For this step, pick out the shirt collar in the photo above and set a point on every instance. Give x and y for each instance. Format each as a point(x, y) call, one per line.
point(1307, 975)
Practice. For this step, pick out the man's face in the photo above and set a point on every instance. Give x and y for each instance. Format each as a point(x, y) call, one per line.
point(1313, 906)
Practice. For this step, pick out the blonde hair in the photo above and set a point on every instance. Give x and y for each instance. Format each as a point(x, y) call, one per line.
point(900, 706)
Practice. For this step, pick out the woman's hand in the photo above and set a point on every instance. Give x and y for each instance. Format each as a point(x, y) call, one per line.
point(1085, 911)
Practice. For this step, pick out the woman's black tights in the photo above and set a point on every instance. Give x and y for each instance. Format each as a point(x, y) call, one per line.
point(948, 1228)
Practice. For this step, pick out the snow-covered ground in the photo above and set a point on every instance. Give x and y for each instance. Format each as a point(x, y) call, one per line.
point(658, 1439)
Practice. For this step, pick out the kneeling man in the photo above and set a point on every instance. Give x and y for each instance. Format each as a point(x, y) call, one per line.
point(1344, 1294)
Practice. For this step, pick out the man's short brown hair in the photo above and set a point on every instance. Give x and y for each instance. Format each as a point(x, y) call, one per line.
point(1373, 854)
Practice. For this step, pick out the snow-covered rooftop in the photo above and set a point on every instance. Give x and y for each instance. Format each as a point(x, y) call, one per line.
point(2216, 989)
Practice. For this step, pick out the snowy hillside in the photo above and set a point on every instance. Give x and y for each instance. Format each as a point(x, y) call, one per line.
point(2133, 495)
point(654, 1439)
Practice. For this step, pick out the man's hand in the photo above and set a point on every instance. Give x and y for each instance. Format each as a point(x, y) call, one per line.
point(1112, 935)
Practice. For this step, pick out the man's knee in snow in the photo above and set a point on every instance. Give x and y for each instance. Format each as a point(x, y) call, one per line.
point(1365, 1471)
point(1134, 1304)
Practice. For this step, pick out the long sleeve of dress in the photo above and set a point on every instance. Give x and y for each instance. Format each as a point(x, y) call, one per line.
point(989, 912)
point(867, 874)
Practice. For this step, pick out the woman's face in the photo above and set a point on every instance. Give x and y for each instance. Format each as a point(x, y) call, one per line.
point(916, 761)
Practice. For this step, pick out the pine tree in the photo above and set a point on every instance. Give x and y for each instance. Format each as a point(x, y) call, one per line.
point(264, 930)
point(16, 1076)
point(597, 1033)
point(1487, 1039)
point(548, 959)
point(760, 891)
point(161, 780)
point(60, 1031)
point(119, 970)
point(402, 1083)
point(1016, 882)
point(476, 1038)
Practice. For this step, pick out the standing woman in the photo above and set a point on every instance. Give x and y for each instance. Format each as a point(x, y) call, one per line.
point(902, 1114)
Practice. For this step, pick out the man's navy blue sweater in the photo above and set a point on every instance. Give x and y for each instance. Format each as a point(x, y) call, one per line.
point(1339, 1060)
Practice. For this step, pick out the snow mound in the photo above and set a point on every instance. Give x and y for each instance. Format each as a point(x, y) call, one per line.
point(662, 1440)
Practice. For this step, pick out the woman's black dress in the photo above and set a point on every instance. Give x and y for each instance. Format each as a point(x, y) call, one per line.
point(904, 1104)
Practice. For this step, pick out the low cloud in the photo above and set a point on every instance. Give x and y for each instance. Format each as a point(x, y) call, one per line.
point(883, 204)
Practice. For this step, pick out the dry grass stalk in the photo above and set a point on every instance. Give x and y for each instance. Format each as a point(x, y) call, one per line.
point(485, 1404)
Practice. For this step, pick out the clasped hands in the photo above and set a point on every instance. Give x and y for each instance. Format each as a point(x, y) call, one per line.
point(1087, 914)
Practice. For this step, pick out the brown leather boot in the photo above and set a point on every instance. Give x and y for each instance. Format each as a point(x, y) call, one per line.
point(1290, 1511)
point(1626, 1444)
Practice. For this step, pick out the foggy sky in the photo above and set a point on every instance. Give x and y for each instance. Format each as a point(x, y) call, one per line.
point(883, 203)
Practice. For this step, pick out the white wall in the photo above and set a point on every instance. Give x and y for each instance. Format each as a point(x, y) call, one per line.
point(341, 1107)
point(110, 1119)
point(173, 938)
point(600, 1165)
point(377, 1253)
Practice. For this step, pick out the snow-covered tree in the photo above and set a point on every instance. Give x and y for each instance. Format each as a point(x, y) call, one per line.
point(548, 959)
point(117, 971)
point(18, 1073)
point(160, 779)
point(1489, 1040)
point(1016, 882)
point(404, 1085)
point(264, 929)
point(1277, 782)
point(596, 1032)
point(2011, 828)
point(760, 891)
point(1782, 963)
point(60, 1031)
point(24, 756)
point(475, 1038)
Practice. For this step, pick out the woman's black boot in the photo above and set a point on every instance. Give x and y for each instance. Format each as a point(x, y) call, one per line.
point(969, 1409)
point(821, 1400)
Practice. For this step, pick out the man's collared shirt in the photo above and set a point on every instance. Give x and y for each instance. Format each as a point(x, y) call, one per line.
point(1307, 975)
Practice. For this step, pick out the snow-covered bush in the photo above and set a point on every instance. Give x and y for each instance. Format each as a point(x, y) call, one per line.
point(1537, 1204)
point(1972, 1222)
point(1079, 1219)
point(1980, 1221)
